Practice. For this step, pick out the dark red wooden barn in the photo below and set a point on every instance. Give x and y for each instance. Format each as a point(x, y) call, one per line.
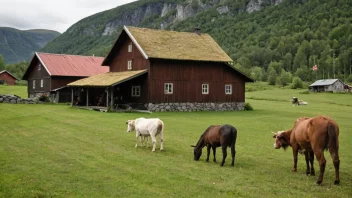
point(50, 73)
point(7, 78)
point(168, 71)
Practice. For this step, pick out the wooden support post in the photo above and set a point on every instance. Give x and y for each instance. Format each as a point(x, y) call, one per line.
point(112, 98)
point(107, 97)
point(72, 96)
point(87, 97)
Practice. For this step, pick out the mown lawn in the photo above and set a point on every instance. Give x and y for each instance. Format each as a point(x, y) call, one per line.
point(18, 90)
point(60, 151)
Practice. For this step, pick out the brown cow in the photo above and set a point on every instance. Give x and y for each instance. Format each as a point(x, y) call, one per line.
point(312, 136)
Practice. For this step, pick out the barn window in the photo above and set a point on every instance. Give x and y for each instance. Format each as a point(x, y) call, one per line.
point(136, 91)
point(130, 47)
point(205, 88)
point(41, 83)
point(39, 66)
point(169, 88)
point(129, 65)
point(33, 84)
point(228, 89)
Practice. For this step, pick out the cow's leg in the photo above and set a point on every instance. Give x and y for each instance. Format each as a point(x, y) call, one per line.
point(311, 159)
point(142, 140)
point(335, 157)
point(153, 141)
point(147, 141)
point(208, 152)
point(319, 153)
point(233, 154)
point(214, 153)
point(295, 157)
point(224, 154)
point(306, 155)
point(137, 136)
point(161, 141)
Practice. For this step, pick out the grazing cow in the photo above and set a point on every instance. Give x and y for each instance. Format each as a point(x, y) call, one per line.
point(312, 136)
point(147, 127)
point(216, 136)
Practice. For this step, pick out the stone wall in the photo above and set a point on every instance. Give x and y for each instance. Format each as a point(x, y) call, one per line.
point(181, 107)
point(13, 99)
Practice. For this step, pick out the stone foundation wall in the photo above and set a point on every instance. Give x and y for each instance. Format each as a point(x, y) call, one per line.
point(37, 95)
point(181, 107)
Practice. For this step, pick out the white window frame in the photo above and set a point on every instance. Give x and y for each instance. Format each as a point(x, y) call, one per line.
point(130, 47)
point(205, 88)
point(136, 91)
point(41, 82)
point(33, 84)
point(39, 67)
point(228, 89)
point(168, 88)
point(129, 64)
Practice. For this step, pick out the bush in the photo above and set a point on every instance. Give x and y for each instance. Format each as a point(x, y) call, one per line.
point(248, 107)
point(297, 83)
point(285, 78)
point(44, 98)
point(272, 77)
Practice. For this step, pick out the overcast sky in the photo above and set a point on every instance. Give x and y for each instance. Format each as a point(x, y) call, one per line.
point(56, 15)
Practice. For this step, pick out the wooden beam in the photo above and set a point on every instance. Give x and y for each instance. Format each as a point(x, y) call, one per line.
point(87, 97)
point(107, 98)
point(72, 96)
point(112, 98)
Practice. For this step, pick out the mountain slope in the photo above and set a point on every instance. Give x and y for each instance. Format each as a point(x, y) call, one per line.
point(17, 45)
point(262, 34)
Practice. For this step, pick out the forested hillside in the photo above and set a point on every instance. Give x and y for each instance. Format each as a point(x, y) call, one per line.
point(265, 38)
point(17, 45)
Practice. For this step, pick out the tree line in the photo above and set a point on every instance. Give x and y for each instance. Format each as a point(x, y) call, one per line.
point(287, 39)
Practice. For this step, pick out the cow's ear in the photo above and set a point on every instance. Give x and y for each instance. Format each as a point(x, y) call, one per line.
point(193, 146)
point(274, 136)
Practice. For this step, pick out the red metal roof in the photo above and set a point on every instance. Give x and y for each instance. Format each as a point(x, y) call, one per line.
point(72, 65)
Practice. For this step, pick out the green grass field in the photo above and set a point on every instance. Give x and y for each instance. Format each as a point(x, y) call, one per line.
point(14, 90)
point(61, 151)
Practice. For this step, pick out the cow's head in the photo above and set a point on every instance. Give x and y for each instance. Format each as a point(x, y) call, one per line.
point(197, 153)
point(130, 125)
point(282, 139)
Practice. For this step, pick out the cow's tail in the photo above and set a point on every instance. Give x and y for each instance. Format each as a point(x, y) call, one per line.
point(161, 128)
point(333, 130)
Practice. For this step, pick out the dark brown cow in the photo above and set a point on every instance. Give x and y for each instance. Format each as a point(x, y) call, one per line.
point(312, 136)
point(216, 136)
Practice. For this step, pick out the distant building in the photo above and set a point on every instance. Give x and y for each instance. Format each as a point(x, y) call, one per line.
point(50, 73)
point(334, 85)
point(7, 77)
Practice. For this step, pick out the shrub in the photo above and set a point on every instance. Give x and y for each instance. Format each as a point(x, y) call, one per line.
point(248, 107)
point(285, 78)
point(297, 83)
point(272, 77)
point(44, 98)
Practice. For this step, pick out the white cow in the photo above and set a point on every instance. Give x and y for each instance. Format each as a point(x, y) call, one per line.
point(145, 127)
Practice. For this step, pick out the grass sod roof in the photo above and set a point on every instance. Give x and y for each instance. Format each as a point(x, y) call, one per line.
point(107, 79)
point(178, 45)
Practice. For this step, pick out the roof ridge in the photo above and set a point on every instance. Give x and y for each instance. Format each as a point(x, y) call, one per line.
point(165, 30)
point(69, 55)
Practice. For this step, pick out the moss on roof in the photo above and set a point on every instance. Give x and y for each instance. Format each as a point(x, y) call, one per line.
point(107, 79)
point(178, 45)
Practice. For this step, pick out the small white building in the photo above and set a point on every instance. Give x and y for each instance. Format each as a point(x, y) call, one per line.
point(334, 85)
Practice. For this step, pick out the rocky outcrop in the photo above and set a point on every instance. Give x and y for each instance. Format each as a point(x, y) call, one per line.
point(254, 5)
point(223, 9)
